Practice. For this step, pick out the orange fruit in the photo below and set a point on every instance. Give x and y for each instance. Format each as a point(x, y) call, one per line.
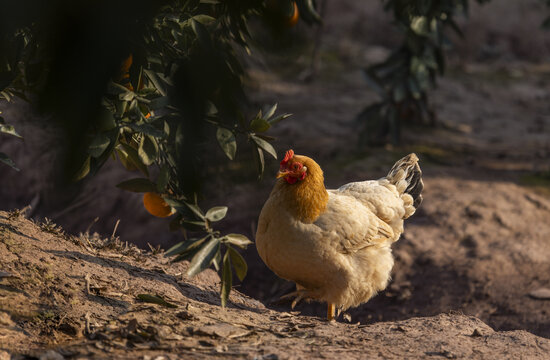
point(126, 64)
point(282, 13)
point(123, 76)
point(293, 20)
point(156, 206)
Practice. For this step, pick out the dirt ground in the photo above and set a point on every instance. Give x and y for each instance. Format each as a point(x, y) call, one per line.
point(478, 246)
point(63, 296)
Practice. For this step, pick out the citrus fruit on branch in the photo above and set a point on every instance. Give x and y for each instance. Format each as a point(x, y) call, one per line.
point(155, 205)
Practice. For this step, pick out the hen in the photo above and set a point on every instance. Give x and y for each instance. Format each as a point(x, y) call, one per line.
point(336, 244)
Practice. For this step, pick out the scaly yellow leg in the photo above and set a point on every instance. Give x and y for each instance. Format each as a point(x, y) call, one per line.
point(331, 309)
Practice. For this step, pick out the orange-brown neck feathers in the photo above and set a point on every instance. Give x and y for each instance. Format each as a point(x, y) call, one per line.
point(306, 199)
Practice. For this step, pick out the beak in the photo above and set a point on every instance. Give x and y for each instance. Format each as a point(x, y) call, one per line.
point(281, 174)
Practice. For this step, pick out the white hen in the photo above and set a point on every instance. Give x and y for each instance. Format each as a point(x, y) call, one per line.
point(336, 244)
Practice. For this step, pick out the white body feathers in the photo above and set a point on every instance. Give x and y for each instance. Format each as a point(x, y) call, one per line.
point(344, 256)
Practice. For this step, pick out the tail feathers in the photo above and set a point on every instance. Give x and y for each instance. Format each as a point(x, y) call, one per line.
point(407, 177)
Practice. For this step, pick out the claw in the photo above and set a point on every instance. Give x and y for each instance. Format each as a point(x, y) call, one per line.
point(299, 295)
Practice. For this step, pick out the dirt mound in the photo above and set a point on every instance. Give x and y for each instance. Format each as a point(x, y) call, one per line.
point(63, 296)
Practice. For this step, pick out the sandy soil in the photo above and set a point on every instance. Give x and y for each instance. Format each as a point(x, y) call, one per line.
point(78, 297)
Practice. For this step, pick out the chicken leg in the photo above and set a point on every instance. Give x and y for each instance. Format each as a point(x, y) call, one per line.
point(331, 309)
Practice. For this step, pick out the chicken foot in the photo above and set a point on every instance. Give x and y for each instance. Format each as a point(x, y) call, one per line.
point(298, 296)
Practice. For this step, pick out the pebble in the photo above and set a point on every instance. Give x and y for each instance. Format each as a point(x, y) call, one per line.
point(540, 294)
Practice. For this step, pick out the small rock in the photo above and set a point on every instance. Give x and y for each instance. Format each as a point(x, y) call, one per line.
point(5, 320)
point(477, 333)
point(268, 357)
point(186, 315)
point(220, 330)
point(221, 348)
point(72, 328)
point(399, 328)
point(540, 294)
point(51, 355)
point(4, 355)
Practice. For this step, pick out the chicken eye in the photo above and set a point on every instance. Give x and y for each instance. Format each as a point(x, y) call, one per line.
point(296, 166)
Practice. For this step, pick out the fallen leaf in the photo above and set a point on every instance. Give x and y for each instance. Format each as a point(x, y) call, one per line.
point(155, 299)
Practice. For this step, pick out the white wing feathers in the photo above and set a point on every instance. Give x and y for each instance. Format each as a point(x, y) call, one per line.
point(363, 214)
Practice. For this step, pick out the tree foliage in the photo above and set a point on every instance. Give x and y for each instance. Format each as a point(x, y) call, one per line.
point(404, 79)
point(154, 84)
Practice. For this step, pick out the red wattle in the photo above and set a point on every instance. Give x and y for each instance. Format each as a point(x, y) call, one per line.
point(291, 179)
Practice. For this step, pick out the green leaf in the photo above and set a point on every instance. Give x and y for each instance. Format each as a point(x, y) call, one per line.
point(159, 103)
point(158, 81)
point(216, 213)
point(193, 225)
point(121, 107)
point(6, 160)
point(227, 279)
point(237, 240)
point(195, 209)
point(163, 178)
point(204, 257)
point(192, 249)
point(202, 34)
point(83, 171)
point(259, 125)
point(205, 19)
point(139, 185)
point(269, 113)
point(10, 130)
point(419, 25)
point(148, 150)
point(399, 93)
point(155, 299)
point(184, 246)
point(217, 261)
point(259, 159)
point(147, 129)
point(265, 146)
point(5, 95)
point(279, 118)
point(239, 264)
point(105, 120)
point(227, 141)
point(98, 145)
point(132, 155)
point(116, 89)
point(266, 137)
point(309, 12)
point(211, 109)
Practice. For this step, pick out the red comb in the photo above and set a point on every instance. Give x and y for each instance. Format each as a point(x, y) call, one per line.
point(289, 154)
